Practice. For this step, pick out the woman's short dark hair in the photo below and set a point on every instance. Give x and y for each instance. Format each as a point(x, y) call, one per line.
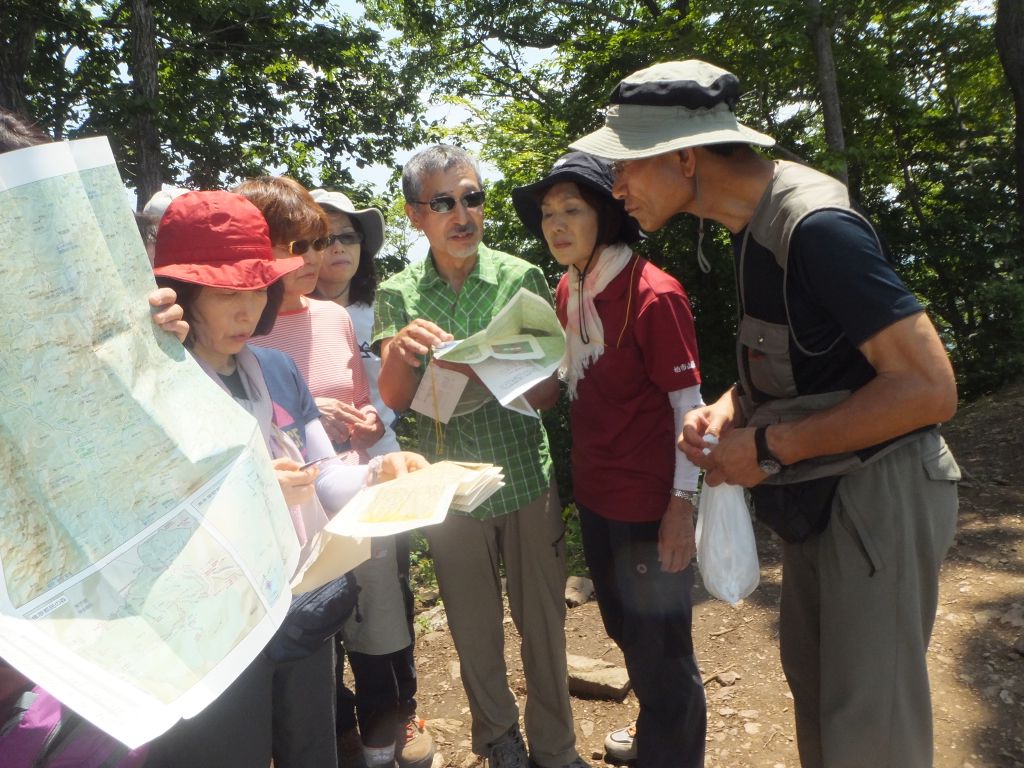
point(18, 132)
point(188, 293)
point(609, 213)
point(364, 282)
point(290, 211)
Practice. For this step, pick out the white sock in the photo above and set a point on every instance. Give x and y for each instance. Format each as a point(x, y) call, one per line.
point(379, 756)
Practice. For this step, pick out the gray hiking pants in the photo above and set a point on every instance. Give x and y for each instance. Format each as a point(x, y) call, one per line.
point(858, 606)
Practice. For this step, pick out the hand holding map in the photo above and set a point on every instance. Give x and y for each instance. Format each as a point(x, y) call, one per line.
point(521, 347)
point(417, 499)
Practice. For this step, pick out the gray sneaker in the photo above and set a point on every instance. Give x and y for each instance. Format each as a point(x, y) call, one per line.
point(620, 745)
point(508, 750)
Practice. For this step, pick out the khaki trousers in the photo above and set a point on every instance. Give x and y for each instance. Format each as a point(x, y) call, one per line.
point(858, 606)
point(467, 554)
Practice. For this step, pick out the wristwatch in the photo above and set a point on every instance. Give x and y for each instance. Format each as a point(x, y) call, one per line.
point(766, 462)
point(688, 496)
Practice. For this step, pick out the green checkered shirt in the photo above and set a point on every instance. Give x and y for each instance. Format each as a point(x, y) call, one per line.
point(492, 433)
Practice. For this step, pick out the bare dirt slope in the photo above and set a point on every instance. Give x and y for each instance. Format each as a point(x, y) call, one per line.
point(976, 658)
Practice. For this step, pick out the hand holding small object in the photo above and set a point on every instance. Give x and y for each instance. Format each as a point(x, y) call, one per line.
point(297, 482)
point(315, 462)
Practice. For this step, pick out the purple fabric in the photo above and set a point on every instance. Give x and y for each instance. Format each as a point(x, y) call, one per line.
point(45, 733)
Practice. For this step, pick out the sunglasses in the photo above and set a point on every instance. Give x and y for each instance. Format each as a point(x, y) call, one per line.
point(299, 247)
point(446, 203)
point(345, 238)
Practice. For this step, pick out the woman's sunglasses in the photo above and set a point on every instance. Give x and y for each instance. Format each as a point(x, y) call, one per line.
point(345, 238)
point(299, 247)
point(446, 203)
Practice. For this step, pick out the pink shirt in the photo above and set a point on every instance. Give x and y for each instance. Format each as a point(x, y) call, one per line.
point(321, 340)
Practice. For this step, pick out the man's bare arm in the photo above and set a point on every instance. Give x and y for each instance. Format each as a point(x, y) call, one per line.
point(914, 386)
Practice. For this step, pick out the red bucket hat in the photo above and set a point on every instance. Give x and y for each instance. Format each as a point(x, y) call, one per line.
point(220, 240)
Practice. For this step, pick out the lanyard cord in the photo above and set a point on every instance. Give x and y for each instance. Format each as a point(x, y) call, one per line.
point(581, 276)
point(438, 426)
point(629, 302)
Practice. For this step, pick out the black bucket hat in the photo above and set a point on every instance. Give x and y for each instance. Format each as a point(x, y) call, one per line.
point(581, 168)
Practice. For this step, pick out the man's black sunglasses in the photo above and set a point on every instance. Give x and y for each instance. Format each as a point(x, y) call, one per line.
point(345, 238)
point(446, 203)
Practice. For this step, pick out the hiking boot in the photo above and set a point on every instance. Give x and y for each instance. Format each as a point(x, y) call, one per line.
point(620, 745)
point(379, 757)
point(350, 750)
point(508, 750)
point(414, 747)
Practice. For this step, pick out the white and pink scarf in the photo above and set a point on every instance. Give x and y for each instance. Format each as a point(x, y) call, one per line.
point(579, 353)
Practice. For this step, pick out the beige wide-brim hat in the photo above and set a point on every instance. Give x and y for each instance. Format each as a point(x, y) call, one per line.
point(157, 205)
point(371, 220)
point(667, 107)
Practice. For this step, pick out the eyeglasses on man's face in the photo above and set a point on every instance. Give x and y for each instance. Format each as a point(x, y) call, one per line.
point(299, 247)
point(446, 203)
point(351, 237)
point(619, 168)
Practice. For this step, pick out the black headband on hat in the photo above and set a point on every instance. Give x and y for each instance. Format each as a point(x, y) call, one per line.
point(691, 94)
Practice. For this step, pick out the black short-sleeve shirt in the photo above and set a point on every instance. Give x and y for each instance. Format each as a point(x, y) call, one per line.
point(840, 289)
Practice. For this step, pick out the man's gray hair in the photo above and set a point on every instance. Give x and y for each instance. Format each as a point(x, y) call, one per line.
point(438, 158)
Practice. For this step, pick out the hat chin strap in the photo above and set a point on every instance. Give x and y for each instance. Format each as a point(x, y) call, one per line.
point(702, 260)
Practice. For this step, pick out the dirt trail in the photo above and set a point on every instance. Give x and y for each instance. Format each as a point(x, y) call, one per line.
point(976, 657)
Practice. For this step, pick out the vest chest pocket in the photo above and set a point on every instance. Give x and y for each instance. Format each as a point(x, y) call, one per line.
point(766, 350)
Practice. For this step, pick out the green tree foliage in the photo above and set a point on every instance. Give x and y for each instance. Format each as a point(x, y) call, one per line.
point(244, 86)
point(921, 110)
point(925, 139)
point(927, 125)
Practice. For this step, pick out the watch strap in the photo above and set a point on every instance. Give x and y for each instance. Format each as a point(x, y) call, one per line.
point(761, 444)
point(688, 496)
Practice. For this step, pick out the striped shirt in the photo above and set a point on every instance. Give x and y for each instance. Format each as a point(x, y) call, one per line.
point(322, 342)
point(491, 433)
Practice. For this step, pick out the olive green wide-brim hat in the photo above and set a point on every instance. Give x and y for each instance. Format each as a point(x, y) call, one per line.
point(667, 107)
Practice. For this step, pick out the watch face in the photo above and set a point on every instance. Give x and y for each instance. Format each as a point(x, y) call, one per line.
point(769, 466)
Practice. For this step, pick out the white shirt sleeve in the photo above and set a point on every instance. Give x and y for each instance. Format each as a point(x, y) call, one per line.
point(337, 482)
point(683, 401)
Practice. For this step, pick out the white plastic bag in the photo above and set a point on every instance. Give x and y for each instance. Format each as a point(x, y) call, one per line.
point(726, 551)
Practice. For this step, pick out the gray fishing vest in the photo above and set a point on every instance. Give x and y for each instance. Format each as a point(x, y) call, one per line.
point(769, 391)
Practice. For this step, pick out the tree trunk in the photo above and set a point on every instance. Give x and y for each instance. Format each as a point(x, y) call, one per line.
point(16, 48)
point(145, 89)
point(1010, 44)
point(828, 89)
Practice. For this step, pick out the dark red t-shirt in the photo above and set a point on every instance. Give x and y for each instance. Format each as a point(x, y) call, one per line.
point(623, 427)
